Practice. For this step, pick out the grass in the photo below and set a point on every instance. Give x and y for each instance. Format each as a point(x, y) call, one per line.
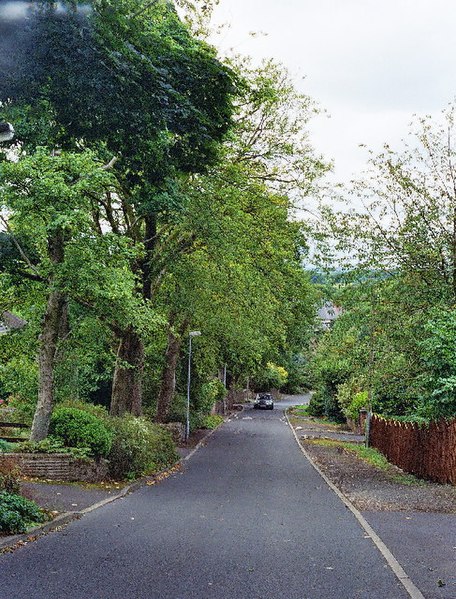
point(372, 457)
point(302, 411)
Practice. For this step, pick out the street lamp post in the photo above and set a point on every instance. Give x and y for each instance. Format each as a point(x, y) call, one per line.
point(190, 337)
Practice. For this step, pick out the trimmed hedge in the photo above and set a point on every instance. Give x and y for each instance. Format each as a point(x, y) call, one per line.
point(78, 428)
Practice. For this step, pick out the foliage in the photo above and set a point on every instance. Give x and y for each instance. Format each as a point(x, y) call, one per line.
point(234, 268)
point(272, 377)
point(210, 393)
point(331, 366)
point(296, 363)
point(98, 411)
point(18, 513)
point(18, 376)
point(170, 197)
point(52, 445)
point(359, 401)
point(77, 428)
point(211, 421)
point(9, 477)
point(324, 404)
point(139, 447)
point(351, 398)
point(5, 447)
point(439, 376)
point(398, 284)
point(178, 413)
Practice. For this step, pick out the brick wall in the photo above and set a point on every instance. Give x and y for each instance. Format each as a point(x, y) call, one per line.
point(58, 467)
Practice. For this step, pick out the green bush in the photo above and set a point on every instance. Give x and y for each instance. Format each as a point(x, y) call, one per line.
point(178, 413)
point(52, 445)
point(359, 401)
point(77, 428)
point(96, 410)
point(324, 405)
point(139, 447)
point(351, 397)
point(5, 447)
point(209, 394)
point(18, 513)
point(211, 421)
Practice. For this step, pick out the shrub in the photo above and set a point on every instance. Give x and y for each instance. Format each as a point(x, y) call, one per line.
point(5, 447)
point(324, 405)
point(96, 410)
point(359, 400)
point(18, 513)
point(209, 394)
point(139, 447)
point(9, 475)
point(351, 398)
point(77, 428)
point(52, 445)
point(178, 413)
point(211, 421)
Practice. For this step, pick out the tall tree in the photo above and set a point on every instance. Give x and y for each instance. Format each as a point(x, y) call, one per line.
point(48, 199)
point(130, 81)
point(235, 266)
point(399, 243)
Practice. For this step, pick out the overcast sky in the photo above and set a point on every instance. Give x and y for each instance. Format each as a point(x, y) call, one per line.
point(371, 64)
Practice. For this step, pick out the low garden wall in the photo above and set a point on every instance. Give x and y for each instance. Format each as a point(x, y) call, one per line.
point(426, 451)
point(57, 466)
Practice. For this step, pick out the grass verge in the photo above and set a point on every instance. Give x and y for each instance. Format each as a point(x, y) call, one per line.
point(302, 411)
point(372, 457)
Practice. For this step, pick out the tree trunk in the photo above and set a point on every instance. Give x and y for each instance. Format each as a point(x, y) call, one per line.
point(55, 314)
point(168, 378)
point(55, 323)
point(150, 241)
point(127, 381)
point(127, 384)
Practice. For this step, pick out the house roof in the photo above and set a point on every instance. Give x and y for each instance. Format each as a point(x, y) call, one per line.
point(329, 312)
point(10, 322)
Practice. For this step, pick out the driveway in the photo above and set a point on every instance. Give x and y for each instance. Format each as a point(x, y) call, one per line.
point(249, 517)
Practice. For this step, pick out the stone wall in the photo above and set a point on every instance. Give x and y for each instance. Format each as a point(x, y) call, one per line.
point(57, 466)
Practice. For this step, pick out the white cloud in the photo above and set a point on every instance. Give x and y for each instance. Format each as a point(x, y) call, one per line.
point(371, 64)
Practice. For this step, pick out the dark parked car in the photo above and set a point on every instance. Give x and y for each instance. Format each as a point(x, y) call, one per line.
point(264, 400)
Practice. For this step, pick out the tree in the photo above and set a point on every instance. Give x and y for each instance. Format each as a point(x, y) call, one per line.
point(236, 269)
point(48, 199)
point(401, 254)
point(145, 92)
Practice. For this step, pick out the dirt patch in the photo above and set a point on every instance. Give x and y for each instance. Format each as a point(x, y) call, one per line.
point(371, 488)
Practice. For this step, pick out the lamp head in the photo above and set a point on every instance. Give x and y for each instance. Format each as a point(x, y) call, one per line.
point(6, 131)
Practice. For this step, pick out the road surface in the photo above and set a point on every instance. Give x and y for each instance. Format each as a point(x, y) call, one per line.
point(247, 518)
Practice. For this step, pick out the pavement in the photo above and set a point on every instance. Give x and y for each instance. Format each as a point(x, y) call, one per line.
point(70, 501)
point(249, 516)
point(60, 497)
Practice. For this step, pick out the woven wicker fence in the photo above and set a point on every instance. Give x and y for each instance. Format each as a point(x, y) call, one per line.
point(426, 451)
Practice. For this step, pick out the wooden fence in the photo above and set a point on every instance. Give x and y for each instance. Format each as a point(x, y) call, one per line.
point(427, 451)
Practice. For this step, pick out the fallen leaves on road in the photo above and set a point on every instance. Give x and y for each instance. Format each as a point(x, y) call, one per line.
point(158, 478)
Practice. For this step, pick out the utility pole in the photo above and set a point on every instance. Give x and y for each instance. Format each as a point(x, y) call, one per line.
point(190, 337)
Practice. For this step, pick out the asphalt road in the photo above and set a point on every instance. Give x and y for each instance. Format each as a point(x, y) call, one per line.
point(248, 518)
